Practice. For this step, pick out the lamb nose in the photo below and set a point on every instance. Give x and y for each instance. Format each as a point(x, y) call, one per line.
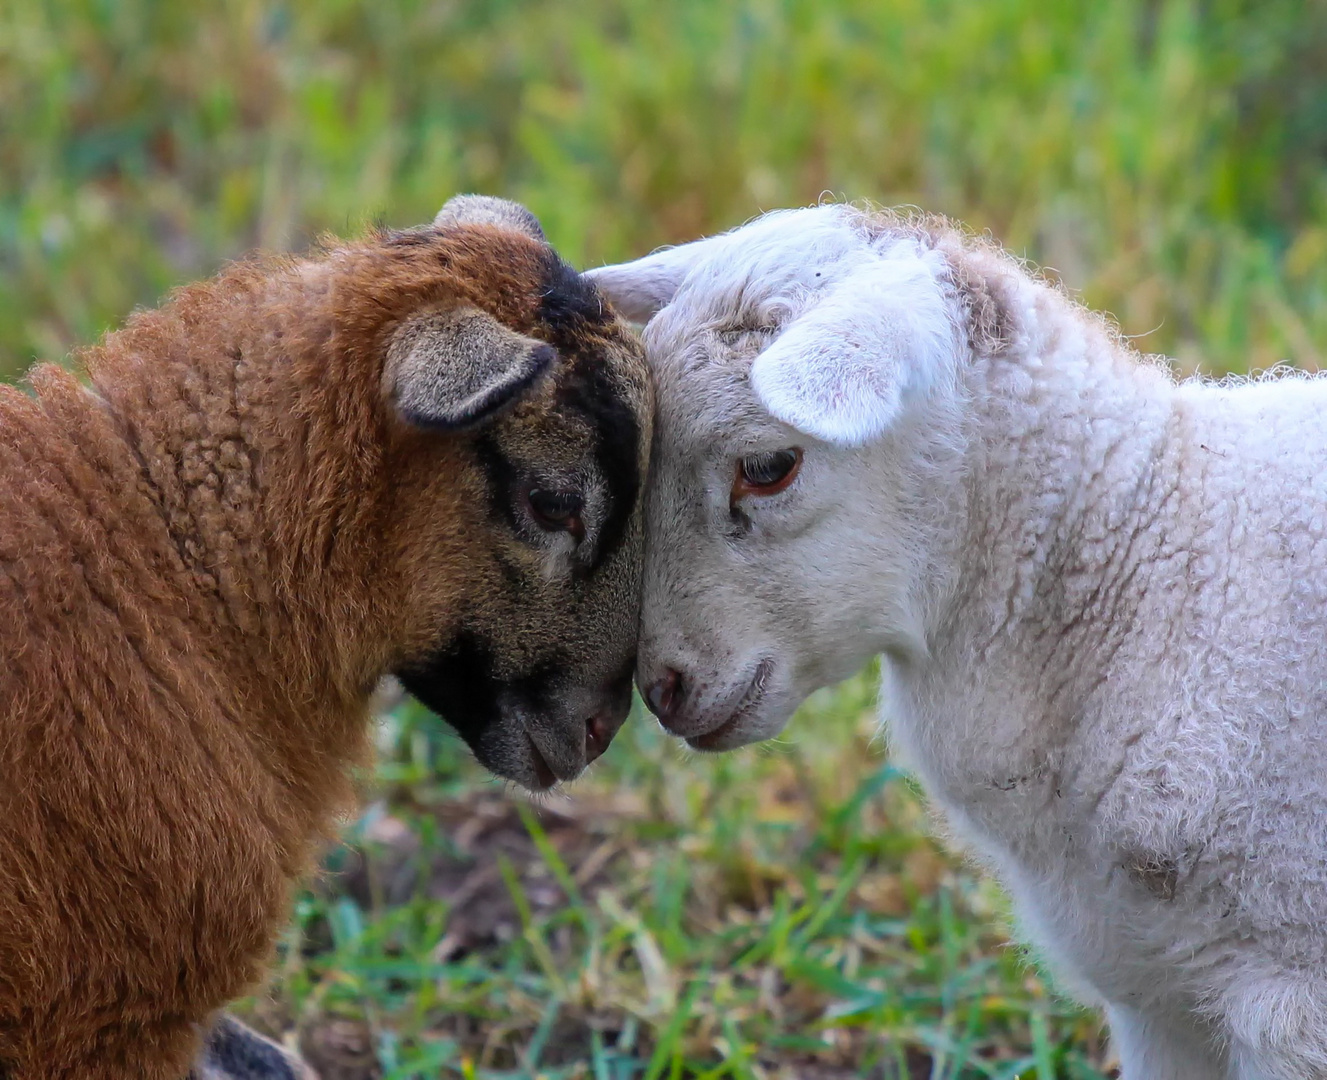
point(665, 695)
point(599, 732)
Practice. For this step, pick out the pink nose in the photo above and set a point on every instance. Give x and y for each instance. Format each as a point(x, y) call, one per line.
point(599, 732)
point(664, 696)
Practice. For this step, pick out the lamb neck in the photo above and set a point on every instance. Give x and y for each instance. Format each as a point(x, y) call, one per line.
point(1074, 450)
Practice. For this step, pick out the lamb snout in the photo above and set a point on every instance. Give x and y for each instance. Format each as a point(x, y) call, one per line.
point(664, 696)
point(600, 729)
point(711, 711)
point(562, 744)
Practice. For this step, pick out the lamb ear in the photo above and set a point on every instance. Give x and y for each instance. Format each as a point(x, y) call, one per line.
point(488, 210)
point(451, 370)
point(842, 371)
point(640, 288)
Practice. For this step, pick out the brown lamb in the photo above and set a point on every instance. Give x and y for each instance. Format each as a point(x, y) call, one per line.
point(419, 453)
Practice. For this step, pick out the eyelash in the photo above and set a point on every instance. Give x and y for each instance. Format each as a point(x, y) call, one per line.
point(781, 466)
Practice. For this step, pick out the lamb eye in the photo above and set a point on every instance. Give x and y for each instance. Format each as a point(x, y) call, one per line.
point(767, 473)
point(556, 511)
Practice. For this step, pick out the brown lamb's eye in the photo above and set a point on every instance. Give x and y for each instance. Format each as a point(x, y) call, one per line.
point(766, 473)
point(556, 511)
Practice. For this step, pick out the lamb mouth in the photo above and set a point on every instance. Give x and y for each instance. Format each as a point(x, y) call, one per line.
point(748, 703)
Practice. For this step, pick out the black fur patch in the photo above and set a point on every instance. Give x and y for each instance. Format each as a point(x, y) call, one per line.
point(573, 314)
point(590, 389)
point(459, 684)
point(500, 476)
point(570, 306)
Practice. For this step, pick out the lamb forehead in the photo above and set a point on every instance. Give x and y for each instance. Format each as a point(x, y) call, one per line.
point(778, 258)
point(728, 307)
point(712, 404)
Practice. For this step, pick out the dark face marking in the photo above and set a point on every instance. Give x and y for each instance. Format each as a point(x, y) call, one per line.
point(460, 685)
point(574, 317)
point(572, 309)
point(493, 714)
point(589, 390)
point(570, 306)
point(501, 479)
point(534, 669)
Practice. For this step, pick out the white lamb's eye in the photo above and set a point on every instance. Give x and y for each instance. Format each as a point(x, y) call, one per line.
point(766, 473)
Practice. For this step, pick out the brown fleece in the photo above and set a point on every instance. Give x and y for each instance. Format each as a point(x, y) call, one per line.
point(207, 560)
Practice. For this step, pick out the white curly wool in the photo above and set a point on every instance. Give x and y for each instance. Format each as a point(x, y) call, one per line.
point(1101, 599)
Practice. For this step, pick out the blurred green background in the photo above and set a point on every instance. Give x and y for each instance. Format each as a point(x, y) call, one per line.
point(1165, 157)
point(773, 913)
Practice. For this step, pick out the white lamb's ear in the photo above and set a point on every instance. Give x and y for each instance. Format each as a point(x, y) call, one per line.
point(841, 371)
point(640, 288)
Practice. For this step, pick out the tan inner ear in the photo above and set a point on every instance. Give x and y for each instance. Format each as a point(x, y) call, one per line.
point(454, 369)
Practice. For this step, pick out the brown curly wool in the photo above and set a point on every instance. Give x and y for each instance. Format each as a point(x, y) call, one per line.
point(208, 558)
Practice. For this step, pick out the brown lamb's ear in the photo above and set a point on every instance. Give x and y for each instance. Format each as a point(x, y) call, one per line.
point(452, 370)
point(487, 210)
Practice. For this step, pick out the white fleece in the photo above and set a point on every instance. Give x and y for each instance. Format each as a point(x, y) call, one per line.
point(1101, 599)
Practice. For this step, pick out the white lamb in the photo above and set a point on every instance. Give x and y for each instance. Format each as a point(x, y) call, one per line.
point(1099, 595)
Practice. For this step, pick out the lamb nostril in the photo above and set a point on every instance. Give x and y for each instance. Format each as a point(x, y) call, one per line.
point(664, 695)
point(599, 732)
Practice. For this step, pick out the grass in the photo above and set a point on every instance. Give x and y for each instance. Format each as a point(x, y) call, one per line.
point(782, 913)
point(776, 912)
